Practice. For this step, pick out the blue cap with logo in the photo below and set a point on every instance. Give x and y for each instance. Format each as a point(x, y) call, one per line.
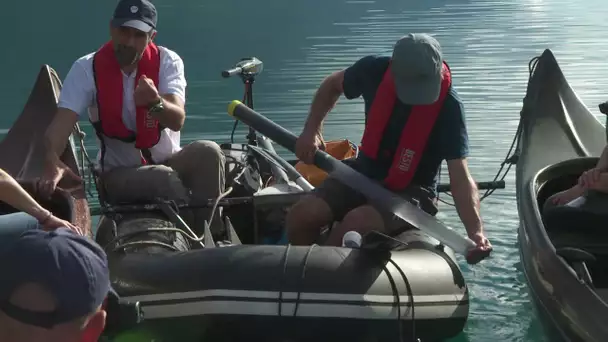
point(138, 14)
point(71, 267)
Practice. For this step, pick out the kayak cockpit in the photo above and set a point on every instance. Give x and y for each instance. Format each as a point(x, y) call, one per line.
point(578, 233)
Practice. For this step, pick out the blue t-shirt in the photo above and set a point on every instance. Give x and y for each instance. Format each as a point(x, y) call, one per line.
point(448, 139)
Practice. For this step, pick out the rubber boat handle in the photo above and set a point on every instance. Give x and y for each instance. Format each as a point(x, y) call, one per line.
point(374, 192)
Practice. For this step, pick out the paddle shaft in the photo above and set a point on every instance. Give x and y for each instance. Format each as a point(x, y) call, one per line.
point(374, 192)
point(282, 164)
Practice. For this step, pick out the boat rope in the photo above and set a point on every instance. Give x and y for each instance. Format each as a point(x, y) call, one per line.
point(512, 155)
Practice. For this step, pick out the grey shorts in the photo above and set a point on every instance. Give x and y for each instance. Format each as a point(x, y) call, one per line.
point(341, 199)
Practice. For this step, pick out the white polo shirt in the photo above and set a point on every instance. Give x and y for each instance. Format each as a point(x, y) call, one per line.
point(79, 94)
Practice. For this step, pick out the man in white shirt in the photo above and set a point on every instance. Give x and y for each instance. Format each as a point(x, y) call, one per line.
point(134, 92)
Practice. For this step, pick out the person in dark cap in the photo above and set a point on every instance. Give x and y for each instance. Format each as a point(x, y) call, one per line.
point(414, 120)
point(53, 288)
point(135, 93)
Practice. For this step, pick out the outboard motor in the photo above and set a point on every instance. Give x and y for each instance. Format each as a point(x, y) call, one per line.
point(248, 66)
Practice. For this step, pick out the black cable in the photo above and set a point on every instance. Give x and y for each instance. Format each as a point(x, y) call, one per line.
point(385, 255)
point(236, 122)
point(411, 295)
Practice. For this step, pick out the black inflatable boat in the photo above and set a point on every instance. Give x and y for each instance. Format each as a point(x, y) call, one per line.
point(244, 284)
point(564, 251)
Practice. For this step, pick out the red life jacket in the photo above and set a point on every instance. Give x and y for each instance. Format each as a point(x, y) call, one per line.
point(414, 135)
point(108, 81)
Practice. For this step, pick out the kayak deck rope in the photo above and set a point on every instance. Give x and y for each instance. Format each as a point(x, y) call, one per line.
point(512, 156)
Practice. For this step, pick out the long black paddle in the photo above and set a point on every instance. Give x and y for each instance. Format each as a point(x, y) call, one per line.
point(374, 192)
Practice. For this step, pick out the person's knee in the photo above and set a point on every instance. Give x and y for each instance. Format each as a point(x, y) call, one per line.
point(311, 211)
point(205, 150)
point(365, 217)
point(168, 184)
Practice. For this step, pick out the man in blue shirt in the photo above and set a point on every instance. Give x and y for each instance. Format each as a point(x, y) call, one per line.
point(418, 121)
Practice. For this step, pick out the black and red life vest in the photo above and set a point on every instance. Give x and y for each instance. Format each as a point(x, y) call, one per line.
point(414, 135)
point(109, 85)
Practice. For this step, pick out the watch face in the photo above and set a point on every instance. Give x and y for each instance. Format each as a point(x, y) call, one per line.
point(157, 107)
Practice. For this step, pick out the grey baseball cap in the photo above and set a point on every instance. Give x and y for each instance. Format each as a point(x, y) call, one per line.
point(416, 66)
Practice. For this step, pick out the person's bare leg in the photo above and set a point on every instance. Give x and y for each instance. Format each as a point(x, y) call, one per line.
point(329, 202)
point(305, 220)
point(362, 219)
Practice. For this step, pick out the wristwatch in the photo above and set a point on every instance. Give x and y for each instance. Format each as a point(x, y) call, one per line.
point(157, 106)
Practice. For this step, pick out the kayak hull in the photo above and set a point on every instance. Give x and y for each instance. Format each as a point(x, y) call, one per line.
point(23, 153)
point(560, 139)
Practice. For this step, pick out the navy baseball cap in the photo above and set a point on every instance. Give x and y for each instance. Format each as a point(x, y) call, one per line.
point(71, 267)
point(138, 14)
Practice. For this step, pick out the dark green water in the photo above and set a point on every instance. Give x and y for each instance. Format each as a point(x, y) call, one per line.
point(487, 43)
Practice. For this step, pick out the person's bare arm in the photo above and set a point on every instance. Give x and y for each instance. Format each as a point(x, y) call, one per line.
point(174, 113)
point(324, 100)
point(57, 134)
point(14, 195)
point(466, 196)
